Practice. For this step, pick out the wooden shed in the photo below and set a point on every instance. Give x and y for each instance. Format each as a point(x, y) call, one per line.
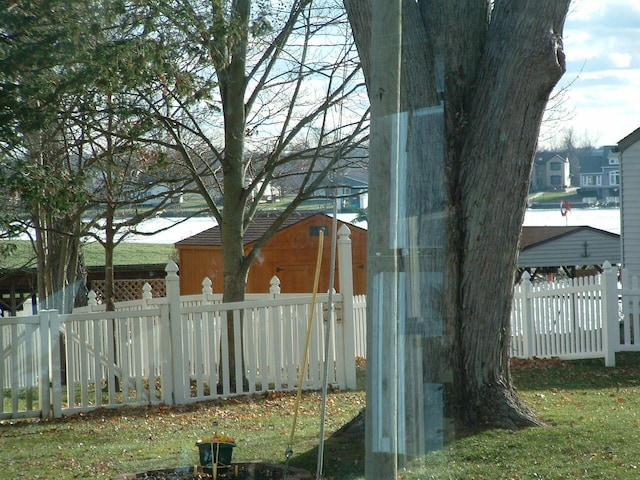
point(291, 255)
point(567, 247)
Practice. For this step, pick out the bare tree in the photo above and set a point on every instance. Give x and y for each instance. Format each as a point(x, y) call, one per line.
point(256, 89)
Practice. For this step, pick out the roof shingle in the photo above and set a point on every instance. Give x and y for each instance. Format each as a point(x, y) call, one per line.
point(259, 224)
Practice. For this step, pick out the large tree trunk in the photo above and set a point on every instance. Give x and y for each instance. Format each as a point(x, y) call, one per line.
point(492, 69)
point(494, 160)
point(109, 283)
point(235, 279)
point(109, 249)
point(233, 84)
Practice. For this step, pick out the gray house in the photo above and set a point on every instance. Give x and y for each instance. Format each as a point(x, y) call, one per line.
point(600, 175)
point(629, 150)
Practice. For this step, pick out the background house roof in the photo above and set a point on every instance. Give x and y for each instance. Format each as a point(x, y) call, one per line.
point(590, 164)
point(545, 156)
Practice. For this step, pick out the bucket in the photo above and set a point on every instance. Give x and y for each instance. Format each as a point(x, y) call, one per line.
point(219, 453)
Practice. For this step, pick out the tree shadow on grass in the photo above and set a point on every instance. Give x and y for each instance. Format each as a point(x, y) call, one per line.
point(343, 454)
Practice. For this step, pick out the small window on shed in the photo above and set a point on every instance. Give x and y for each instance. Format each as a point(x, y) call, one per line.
point(314, 230)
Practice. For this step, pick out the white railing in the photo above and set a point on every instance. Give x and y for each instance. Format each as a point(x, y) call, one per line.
point(173, 349)
point(360, 324)
point(24, 367)
point(147, 354)
point(578, 318)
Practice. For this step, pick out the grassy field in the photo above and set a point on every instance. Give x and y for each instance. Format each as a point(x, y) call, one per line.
point(125, 254)
point(129, 253)
point(592, 412)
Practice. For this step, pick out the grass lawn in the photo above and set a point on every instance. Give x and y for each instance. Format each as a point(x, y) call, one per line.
point(593, 415)
point(125, 254)
point(557, 197)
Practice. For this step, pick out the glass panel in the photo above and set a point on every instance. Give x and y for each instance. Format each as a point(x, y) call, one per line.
point(407, 227)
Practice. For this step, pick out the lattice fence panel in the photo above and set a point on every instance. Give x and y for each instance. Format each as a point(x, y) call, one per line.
point(124, 290)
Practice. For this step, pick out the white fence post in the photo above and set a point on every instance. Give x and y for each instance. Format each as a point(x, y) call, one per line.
point(345, 278)
point(207, 288)
point(174, 362)
point(92, 300)
point(528, 330)
point(146, 294)
point(610, 320)
point(274, 289)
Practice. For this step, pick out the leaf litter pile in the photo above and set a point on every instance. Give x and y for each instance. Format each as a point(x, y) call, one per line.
point(160, 440)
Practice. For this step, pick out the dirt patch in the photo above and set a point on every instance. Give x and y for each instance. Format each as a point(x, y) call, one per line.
point(535, 362)
point(237, 471)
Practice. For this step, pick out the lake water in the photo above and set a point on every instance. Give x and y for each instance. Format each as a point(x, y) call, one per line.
point(171, 230)
point(602, 218)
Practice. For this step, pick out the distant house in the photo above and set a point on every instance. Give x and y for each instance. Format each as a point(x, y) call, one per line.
point(352, 189)
point(551, 171)
point(567, 248)
point(291, 255)
point(350, 186)
point(629, 151)
point(600, 175)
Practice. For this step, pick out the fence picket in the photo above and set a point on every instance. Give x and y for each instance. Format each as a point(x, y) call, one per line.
point(111, 360)
point(276, 320)
point(263, 333)
point(251, 347)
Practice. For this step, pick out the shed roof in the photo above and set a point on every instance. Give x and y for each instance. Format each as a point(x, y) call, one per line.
point(532, 236)
point(259, 224)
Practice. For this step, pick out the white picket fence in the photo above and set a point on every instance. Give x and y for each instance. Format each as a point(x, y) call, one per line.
point(156, 351)
point(589, 317)
point(174, 349)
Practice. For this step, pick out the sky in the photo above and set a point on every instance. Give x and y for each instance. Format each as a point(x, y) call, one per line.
point(602, 47)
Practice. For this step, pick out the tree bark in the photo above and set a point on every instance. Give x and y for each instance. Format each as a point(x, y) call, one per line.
point(233, 84)
point(495, 157)
point(492, 68)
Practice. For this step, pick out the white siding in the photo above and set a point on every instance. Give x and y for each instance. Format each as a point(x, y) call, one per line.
point(569, 250)
point(630, 208)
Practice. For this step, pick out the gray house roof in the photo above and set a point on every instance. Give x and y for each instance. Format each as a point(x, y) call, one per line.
point(567, 246)
point(590, 164)
point(629, 140)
